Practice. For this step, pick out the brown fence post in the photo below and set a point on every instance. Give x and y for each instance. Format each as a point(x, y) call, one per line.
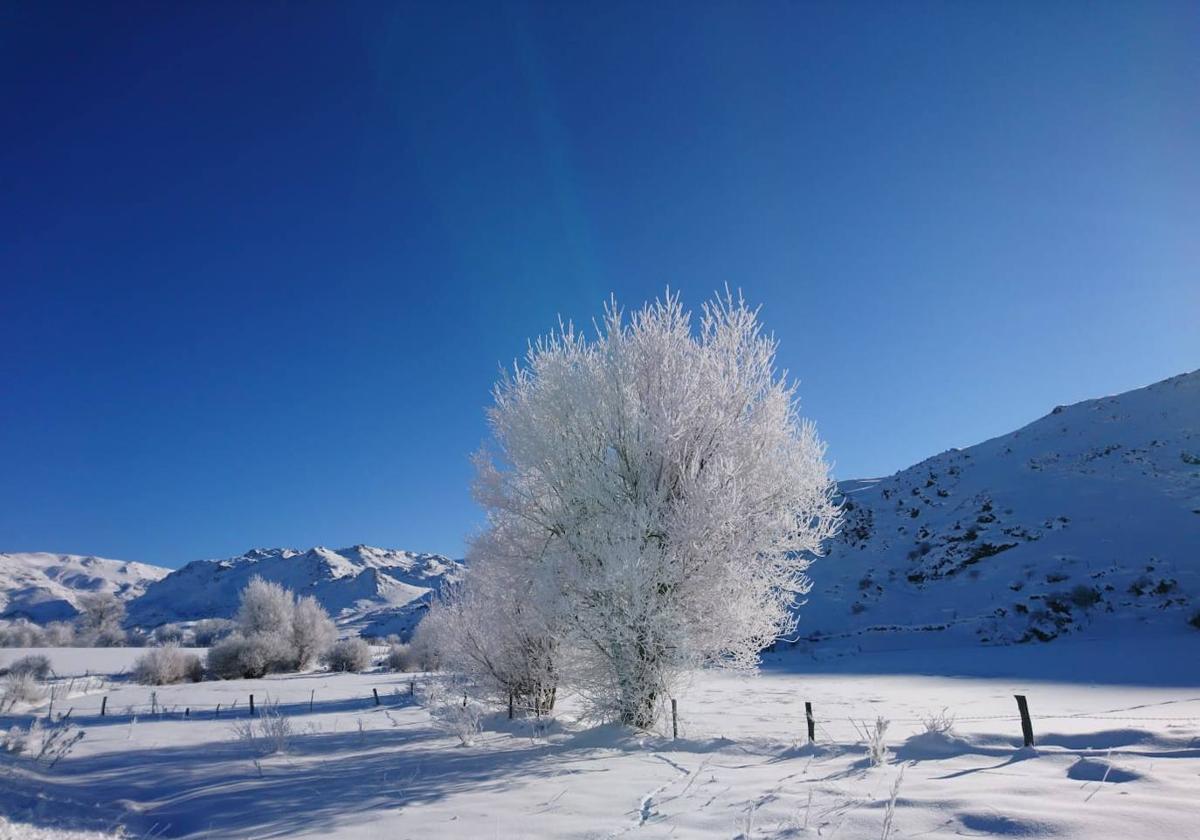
point(251, 705)
point(311, 695)
point(103, 705)
point(510, 706)
point(812, 723)
point(674, 719)
point(375, 691)
point(1026, 723)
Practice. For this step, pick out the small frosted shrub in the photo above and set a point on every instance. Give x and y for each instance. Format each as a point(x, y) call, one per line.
point(19, 688)
point(402, 658)
point(940, 724)
point(35, 664)
point(349, 655)
point(269, 733)
point(209, 631)
point(874, 737)
point(21, 633)
point(170, 634)
point(44, 744)
point(249, 657)
point(167, 665)
point(454, 715)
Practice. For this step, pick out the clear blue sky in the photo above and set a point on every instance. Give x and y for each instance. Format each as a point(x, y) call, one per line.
point(260, 262)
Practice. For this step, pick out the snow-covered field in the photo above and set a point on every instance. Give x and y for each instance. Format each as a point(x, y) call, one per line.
point(1117, 755)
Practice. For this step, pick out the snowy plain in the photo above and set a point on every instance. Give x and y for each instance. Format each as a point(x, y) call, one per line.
point(1117, 726)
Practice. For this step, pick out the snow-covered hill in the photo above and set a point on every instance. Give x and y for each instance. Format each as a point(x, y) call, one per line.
point(1085, 521)
point(46, 587)
point(368, 590)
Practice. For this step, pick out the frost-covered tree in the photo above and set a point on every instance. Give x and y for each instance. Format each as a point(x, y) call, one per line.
point(272, 631)
point(100, 617)
point(265, 607)
point(489, 630)
point(660, 488)
point(312, 631)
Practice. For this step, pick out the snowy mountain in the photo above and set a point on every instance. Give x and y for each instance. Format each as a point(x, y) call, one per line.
point(46, 587)
point(1085, 521)
point(367, 590)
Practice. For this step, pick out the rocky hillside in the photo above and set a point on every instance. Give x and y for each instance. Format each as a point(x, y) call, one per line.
point(46, 587)
point(1085, 521)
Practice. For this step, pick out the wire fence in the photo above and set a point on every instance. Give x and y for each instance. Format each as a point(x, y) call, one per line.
point(103, 699)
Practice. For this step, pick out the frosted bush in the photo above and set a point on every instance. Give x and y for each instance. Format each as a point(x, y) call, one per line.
point(274, 632)
point(170, 634)
point(312, 632)
point(269, 733)
point(100, 619)
point(941, 723)
point(349, 655)
point(454, 715)
point(402, 658)
point(242, 657)
point(209, 631)
point(19, 688)
point(21, 633)
point(43, 743)
point(59, 634)
point(874, 738)
point(167, 665)
point(35, 664)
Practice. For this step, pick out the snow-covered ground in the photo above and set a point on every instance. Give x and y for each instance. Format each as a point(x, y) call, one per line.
point(1117, 756)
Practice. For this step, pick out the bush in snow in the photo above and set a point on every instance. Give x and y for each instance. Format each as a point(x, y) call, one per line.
point(312, 632)
point(454, 715)
point(940, 724)
point(269, 733)
point(209, 631)
point(167, 665)
point(402, 658)
point(60, 634)
point(349, 655)
point(485, 631)
point(274, 632)
point(35, 664)
point(250, 657)
point(19, 688)
point(170, 634)
point(658, 496)
point(874, 738)
point(100, 618)
point(21, 633)
point(45, 744)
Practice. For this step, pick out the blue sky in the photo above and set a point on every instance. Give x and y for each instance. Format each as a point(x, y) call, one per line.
point(261, 262)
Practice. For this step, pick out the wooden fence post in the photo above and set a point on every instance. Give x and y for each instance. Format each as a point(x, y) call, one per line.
point(311, 695)
point(1026, 723)
point(375, 691)
point(218, 714)
point(510, 706)
point(187, 713)
point(674, 719)
point(103, 705)
point(251, 705)
point(412, 687)
point(812, 723)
